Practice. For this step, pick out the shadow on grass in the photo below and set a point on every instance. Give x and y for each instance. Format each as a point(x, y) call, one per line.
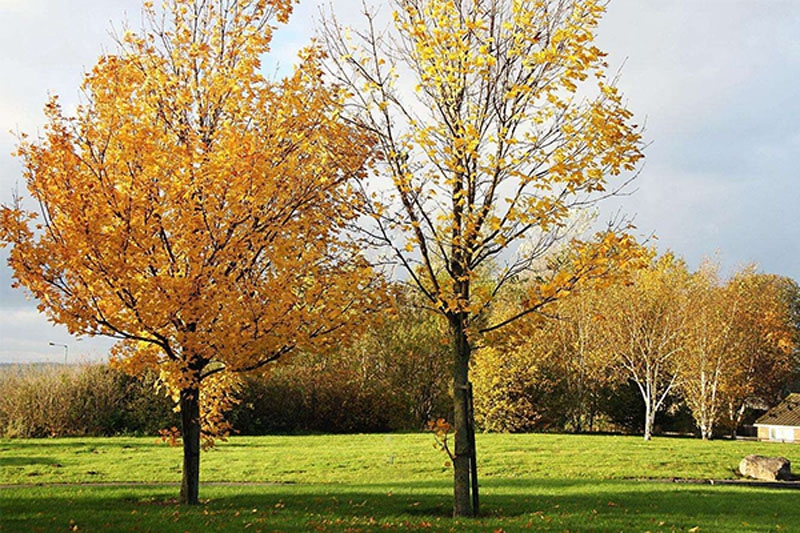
point(77, 444)
point(40, 443)
point(509, 505)
point(25, 461)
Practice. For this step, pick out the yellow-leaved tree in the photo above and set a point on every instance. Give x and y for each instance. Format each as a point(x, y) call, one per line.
point(496, 120)
point(194, 209)
point(738, 344)
point(710, 357)
point(643, 327)
point(765, 341)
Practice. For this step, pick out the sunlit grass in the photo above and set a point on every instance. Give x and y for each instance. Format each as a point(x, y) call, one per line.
point(374, 482)
point(356, 458)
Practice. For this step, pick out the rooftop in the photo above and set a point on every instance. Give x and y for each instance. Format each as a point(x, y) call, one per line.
point(786, 413)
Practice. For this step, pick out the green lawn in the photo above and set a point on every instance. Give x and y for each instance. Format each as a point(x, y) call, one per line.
point(378, 482)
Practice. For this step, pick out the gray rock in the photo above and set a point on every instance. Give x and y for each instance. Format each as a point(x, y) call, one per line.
point(766, 468)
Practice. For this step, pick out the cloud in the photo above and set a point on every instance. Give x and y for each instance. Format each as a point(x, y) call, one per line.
point(716, 80)
point(26, 337)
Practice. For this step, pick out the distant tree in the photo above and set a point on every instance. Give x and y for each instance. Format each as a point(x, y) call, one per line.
point(586, 364)
point(709, 358)
point(194, 209)
point(517, 385)
point(407, 353)
point(495, 144)
point(765, 341)
point(643, 323)
point(550, 372)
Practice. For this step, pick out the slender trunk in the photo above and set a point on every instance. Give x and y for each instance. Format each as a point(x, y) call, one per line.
point(462, 503)
point(736, 415)
point(190, 421)
point(649, 417)
point(709, 415)
point(740, 415)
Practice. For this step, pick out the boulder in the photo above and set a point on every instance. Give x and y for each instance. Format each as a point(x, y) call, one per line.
point(766, 468)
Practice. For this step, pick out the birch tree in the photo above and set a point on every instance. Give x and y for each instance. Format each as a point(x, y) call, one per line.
point(709, 358)
point(643, 323)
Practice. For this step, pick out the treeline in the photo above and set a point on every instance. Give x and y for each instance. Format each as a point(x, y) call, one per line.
point(664, 344)
point(394, 378)
point(664, 350)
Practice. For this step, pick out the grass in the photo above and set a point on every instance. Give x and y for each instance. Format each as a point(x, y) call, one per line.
point(377, 482)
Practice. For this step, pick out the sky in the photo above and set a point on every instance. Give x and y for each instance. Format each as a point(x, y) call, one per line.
point(715, 82)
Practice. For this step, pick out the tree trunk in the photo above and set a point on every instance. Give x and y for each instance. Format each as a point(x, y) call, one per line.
point(462, 503)
point(649, 419)
point(706, 424)
point(473, 472)
point(190, 422)
point(736, 415)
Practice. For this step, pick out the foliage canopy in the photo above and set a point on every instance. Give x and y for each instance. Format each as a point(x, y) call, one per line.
point(192, 208)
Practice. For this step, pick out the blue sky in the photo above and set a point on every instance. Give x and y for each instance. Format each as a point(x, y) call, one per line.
point(716, 81)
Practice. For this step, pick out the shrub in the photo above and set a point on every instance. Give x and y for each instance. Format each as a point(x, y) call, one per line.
point(81, 400)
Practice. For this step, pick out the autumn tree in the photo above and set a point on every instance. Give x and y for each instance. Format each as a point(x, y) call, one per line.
point(517, 385)
point(586, 364)
point(194, 209)
point(737, 344)
point(495, 119)
point(708, 359)
point(549, 371)
point(764, 341)
point(643, 323)
point(408, 351)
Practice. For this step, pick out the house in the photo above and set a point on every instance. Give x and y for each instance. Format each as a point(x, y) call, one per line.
point(782, 422)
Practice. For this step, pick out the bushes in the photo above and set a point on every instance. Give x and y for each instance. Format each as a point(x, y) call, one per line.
point(56, 401)
point(396, 377)
point(301, 398)
point(356, 392)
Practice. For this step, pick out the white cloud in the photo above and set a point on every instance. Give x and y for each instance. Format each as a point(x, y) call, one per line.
point(16, 7)
point(25, 336)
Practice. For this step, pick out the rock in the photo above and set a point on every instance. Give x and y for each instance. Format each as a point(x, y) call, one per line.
point(766, 468)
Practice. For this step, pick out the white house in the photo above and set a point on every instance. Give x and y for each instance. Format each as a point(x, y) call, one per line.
point(782, 422)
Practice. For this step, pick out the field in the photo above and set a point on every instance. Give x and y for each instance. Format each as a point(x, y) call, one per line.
point(389, 482)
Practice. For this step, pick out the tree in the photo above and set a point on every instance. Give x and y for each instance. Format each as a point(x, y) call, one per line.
point(494, 145)
point(643, 323)
point(708, 359)
point(408, 352)
point(517, 384)
point(194, 209)
point(585, 362)
point(549, 372)
point(764, 341)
